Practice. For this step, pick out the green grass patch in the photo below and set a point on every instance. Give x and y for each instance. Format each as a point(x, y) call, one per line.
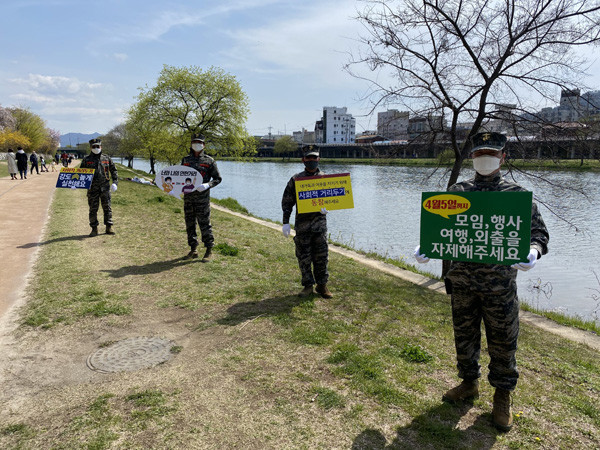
point(327, 398)
point(230, 203)
point(226, 249)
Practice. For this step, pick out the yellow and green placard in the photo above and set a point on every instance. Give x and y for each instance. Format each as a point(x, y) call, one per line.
point(481, 227)
point(325, 191)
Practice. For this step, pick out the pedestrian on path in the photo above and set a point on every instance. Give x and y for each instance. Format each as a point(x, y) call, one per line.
point(311, 231)
point(21, 157)
point(33, 158)
point(53, 165)
point(488, 293)
point(12, 164)
point(99, 191)
point(43, 167)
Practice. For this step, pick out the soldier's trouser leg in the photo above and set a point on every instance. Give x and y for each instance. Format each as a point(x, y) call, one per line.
point(501, 319)
point(320, 255)
point(304, 255)
point(466, 318)
point(203, 218)
point(190, 222)
point(106, 207)
point(93, 203)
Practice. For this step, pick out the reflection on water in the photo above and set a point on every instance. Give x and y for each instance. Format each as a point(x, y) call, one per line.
point(385, 220)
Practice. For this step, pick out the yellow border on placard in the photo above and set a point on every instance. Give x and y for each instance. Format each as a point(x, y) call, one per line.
point(324, 182)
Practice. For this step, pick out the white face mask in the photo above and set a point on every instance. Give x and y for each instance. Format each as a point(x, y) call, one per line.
point(197, 146)
point(486, 164)
point(96, 150)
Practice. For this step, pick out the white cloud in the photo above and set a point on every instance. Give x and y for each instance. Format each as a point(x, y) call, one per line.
point(315, 41)
point(53, 86)
point(120, 56)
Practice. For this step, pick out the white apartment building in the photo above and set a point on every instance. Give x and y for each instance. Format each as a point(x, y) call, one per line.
point(392, 124)
point(339, 127)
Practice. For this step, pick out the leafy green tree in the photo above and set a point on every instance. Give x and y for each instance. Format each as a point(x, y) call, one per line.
point(285, 146)
point(188, 100)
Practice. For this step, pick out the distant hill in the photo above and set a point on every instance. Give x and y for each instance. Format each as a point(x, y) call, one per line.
point(73, 139)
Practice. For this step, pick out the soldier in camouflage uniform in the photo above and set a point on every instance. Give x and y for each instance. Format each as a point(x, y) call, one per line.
point(311, 231)
point(488, 292)
point(101, 187)
point(196, 204)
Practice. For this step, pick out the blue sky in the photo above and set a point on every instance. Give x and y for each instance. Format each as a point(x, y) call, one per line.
point(79, 63)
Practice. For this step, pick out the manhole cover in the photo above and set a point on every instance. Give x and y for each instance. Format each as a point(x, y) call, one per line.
point(131, 354)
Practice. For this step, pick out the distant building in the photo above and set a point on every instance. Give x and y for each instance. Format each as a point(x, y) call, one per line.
point(304, 136)
point(419, 126)
point(393, 124)
point(319, 137)
point(339, 127)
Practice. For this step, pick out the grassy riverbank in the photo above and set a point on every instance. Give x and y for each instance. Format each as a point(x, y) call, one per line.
point(255, 366)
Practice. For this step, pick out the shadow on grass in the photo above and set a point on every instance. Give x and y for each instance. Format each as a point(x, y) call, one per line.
point(241, 312)
point(52, 241)
point(435, 428)
point(145, 269)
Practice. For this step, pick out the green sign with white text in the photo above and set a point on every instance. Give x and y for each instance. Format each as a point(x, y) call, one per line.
point(481, 227)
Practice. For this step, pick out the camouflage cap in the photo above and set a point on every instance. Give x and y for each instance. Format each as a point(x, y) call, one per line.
point(310, 150)
point(197, 137)
point(95, 141)
point(490, 141)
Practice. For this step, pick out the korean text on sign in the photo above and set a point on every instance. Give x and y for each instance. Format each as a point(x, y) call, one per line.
point(75, 178)
point(325, 191)
point(483, 227)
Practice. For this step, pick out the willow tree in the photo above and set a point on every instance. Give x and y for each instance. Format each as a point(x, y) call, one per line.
point(188, 100)
point(463, 61)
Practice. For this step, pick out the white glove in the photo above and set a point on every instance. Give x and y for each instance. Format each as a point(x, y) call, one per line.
point(525, 266)
point(203, 187)
point(324, 211)
point(286, 229)
point(420, 257)
point(113, 187)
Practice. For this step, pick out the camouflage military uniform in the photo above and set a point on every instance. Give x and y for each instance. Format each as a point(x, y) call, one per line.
point(489, 292)
point(99, 191)
point(196, 205)
point(311, 235)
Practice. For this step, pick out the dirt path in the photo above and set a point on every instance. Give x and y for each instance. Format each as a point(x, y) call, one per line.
point(24, 206)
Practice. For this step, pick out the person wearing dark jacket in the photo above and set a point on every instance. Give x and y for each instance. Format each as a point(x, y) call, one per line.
point(21, 157)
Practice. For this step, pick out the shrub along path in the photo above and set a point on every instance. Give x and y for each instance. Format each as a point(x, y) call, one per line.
point(255, 366)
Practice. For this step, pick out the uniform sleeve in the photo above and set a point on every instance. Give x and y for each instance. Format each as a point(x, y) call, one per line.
point(539, 232)
point(288, 200)
point(113, 171)
point(214, 175)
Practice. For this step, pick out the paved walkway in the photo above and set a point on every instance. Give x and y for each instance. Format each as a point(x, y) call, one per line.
point(24, 206)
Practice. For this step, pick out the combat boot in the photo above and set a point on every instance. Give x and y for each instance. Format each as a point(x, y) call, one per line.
point(466, 390)
point(207, 255)
point(322, 289)
point(502, 412)
point(109, 229)
point(192, 254)
point(94, 232)
point(308, 290)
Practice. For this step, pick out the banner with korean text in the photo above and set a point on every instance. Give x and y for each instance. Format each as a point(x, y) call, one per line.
point(178, 180)
point(481, 227)
point(325, 191)
point(75, 178)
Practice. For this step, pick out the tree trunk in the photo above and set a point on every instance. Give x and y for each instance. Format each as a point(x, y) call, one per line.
point(130, 162)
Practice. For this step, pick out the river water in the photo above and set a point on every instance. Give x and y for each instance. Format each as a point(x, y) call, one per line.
point(385, 220)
